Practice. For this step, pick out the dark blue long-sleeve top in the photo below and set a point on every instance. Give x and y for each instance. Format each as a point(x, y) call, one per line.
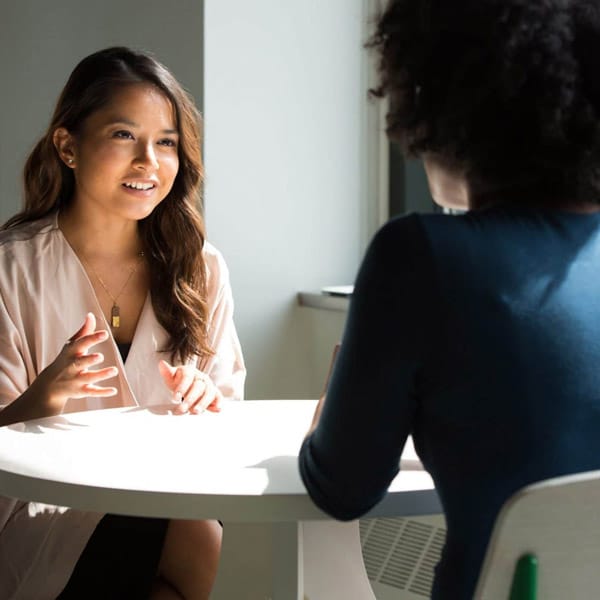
point(480, 336)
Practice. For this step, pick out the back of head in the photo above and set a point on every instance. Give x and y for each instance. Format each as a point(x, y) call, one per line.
point(49, 183)
point(506, 90)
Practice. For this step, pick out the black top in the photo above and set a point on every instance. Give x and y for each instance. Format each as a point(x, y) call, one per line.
point(480, 335)
point(124, 348)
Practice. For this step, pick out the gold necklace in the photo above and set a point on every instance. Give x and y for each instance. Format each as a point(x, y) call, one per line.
point(115, 311)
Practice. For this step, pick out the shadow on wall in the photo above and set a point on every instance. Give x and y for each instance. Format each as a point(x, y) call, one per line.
point(288, 353)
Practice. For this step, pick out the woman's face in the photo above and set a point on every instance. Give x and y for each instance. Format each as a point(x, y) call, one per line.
point(125, 157)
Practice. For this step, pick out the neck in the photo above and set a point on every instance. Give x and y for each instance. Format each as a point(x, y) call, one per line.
point(117, 240)
point(447, 185)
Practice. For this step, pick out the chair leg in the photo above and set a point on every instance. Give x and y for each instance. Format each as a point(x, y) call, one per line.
point(524, 583)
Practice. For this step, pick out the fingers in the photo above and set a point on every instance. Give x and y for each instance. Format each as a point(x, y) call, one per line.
point(83, 344)
point(171, 376)
point(85, 380)
point(75, 380)
point(209, 400)
point(189, 392)
point(193, 391)
point(85, 383)
point(187, 385)
point(166, 370)
point(194, 396)
point(215, 405)
point(89, 325)
point(85, 337)
point(72, 375)
point(89, 381)
point(100, 392)
point(83, 362)
point(178, 379)
point(209, 397)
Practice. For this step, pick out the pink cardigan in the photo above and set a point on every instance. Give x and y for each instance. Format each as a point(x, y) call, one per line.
point(44, 297)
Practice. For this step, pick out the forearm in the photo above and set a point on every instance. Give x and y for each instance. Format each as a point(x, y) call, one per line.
point(319, 407)
point(30, 405)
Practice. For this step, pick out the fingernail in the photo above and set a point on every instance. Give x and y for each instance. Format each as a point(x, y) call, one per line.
point(178, 397)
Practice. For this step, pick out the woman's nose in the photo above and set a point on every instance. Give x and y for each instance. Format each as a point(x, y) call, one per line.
point(146, 157)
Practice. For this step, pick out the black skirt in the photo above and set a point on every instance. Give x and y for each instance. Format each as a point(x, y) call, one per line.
point(119, 561)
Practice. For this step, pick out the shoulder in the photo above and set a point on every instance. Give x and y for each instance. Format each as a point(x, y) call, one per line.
point(399, 257)
point(28, 238)
point(404, 238)
point(409, 251)
point(398, 228)
point(418, 228)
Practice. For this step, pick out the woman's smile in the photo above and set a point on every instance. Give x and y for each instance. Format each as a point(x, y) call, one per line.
point(133, 142)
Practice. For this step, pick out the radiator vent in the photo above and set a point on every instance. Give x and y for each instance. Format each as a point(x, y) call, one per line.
point(402, 552)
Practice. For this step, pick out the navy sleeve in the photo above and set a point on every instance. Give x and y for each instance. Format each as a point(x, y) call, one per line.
point(348, 462)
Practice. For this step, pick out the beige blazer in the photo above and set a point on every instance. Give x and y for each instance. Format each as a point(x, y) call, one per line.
point(44, 297)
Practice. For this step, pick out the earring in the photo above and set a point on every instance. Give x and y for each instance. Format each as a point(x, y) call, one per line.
point(70, 161)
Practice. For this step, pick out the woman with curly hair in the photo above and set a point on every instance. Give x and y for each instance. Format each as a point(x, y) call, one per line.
point(111, 296)
point(477, 334)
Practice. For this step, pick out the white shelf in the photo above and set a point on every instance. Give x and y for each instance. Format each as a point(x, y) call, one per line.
point(323, 301)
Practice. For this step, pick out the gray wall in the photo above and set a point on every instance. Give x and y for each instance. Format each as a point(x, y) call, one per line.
point(41, 42)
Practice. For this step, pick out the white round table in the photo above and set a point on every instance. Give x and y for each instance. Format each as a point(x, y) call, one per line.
point(239, 466)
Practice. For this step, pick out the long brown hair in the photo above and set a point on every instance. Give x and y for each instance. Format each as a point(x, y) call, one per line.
point(173, 234)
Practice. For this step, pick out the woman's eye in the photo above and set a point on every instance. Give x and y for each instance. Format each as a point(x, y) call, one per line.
point(168, 142)
point(123, 135)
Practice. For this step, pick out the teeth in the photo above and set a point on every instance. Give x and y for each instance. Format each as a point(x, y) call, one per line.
point(139, 186)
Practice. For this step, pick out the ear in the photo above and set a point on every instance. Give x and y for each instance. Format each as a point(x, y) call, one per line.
point(65, 146)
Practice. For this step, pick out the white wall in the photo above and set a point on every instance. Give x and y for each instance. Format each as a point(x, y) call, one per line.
point(41, 42)
point(286, 157)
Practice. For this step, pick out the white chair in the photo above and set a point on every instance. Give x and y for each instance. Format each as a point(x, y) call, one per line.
point(546, 543)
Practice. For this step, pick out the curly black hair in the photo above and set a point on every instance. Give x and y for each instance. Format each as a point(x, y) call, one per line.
point(508, 90)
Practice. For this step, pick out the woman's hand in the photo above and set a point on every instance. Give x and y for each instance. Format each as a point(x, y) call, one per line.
point(193, 390)
point(70, 375)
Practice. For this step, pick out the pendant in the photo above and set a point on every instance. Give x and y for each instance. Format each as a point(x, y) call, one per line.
point(115, 317)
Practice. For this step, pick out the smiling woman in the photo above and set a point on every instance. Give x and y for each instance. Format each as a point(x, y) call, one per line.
point(124, 159)
point(111, 235)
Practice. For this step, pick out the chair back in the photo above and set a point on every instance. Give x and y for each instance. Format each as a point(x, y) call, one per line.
point(551, 530)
